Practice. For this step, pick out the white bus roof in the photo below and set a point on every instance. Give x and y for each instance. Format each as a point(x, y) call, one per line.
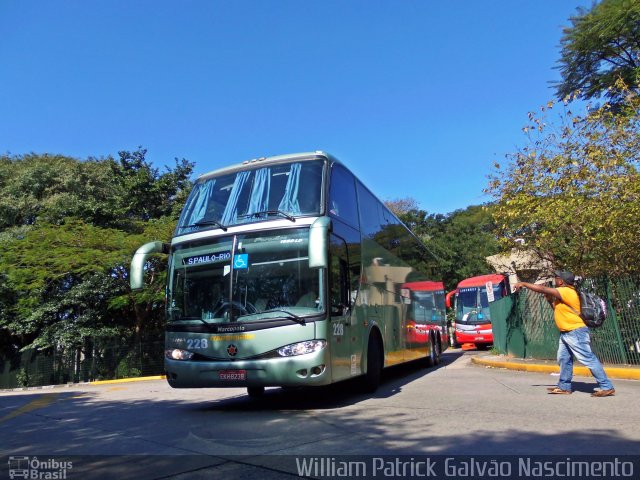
point(274, 160)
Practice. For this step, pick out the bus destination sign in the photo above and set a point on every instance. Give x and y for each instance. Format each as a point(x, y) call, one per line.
point(207, 258)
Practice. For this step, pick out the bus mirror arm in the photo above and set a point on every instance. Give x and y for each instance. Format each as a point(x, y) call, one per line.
point(136, 275)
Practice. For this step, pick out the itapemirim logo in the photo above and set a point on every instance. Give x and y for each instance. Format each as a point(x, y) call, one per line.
point(33, 468)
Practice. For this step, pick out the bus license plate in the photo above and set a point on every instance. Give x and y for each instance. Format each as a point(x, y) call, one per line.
point(232, 375)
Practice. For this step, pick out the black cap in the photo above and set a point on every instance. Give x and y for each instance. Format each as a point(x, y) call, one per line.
point(567, 277)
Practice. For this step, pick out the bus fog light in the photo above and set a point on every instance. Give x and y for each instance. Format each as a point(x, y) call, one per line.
point(302, 348)
point(178, 354)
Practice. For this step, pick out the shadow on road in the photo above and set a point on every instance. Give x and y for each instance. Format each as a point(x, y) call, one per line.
point(348, 392)
point(158, 421)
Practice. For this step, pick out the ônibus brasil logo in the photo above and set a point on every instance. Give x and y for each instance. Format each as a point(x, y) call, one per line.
point(33, 468)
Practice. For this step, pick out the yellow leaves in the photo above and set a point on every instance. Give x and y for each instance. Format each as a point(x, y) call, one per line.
point(574, 192)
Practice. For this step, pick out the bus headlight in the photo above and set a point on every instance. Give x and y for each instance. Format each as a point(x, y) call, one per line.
point(302, 348)
point(178, 354)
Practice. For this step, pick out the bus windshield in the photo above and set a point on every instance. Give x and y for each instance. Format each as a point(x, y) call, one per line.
point(284, 190)
point(473, 304)
point(424, 306)
point(245, 278)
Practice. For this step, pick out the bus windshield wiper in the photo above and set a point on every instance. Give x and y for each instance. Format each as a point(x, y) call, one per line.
point(270, 212)
point(204, 223)
point(290, 316)
point(205, 322)
point(209, 325)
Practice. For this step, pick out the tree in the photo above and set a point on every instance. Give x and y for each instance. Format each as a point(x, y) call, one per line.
point(460, 241)
point(573, 193)
point(464, 240)
point(102, 192)
point(600, 48)
point(143, 193)
point(68, 229)
point(400, 206)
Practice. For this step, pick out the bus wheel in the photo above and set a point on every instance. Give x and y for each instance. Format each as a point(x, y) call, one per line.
point(371, 379)
point(434, 353)
point(255, 392)
point(438, 349)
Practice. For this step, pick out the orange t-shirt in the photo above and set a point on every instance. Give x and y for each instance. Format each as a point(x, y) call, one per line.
point(566, 319)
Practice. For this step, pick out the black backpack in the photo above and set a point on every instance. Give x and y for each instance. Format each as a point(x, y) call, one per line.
point(593, 309)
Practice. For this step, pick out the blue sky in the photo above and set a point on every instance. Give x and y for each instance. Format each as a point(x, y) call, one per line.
point(418, 97)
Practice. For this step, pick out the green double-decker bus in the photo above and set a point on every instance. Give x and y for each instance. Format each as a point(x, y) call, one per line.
point(288, 271)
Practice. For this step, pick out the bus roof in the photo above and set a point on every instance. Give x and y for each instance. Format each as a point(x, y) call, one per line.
point(317, 155)
point(427, 286)
point(481, 280)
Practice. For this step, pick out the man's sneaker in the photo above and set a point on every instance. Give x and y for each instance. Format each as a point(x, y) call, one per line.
point(604, 393)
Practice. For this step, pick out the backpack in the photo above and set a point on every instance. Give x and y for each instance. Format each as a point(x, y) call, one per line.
point(593, 309)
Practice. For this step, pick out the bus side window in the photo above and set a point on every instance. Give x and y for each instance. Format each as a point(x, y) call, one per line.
point(339, 278)
point(342, 202)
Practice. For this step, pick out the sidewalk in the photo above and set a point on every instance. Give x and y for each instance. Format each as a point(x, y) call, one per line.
point(625, 372)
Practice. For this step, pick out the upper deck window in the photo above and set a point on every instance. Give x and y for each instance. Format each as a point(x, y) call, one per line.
point(289, 189)
point(342, 196)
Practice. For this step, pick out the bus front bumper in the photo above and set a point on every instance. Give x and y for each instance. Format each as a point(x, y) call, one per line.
point(302, 370)
point(474, 337)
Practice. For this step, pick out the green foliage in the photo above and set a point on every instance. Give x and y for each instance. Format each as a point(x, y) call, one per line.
point(102, 192)
point(22, 378)
point(573, 193)
point(460, 240)
point(601, 48)
point(126, 368)
point(68, 229)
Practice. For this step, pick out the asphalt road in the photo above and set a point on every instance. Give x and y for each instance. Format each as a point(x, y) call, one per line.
point(138, 430)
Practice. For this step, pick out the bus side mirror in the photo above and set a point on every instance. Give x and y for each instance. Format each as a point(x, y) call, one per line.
point(449, 301)
point(319, 243)
point(136, 275)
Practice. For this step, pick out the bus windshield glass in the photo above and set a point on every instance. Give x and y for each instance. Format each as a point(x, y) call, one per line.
point(248, 277)
point(424, 306)
point(472, 304)
point(286, 190)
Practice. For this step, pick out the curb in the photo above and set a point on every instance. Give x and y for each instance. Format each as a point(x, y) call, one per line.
point(82, 384)
point(128, 380)
point(612, 372)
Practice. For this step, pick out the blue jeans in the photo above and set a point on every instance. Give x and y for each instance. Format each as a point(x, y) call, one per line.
point(577, 343)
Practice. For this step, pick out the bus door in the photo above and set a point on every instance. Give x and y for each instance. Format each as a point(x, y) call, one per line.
point(340, 309)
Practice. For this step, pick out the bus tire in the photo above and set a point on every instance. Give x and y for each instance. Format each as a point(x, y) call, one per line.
point(371, 379)
point(255, 392)
point(433, 358)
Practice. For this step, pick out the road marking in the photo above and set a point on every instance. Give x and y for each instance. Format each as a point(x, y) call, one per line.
point(127, 380)
point(40, 402)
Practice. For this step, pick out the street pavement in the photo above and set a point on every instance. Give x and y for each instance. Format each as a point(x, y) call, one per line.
point(457, 408)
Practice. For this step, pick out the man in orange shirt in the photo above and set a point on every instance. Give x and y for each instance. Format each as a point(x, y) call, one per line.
point(575, 340)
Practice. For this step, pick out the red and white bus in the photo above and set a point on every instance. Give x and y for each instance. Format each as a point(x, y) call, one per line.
point(426, 315)
point(470, 301)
